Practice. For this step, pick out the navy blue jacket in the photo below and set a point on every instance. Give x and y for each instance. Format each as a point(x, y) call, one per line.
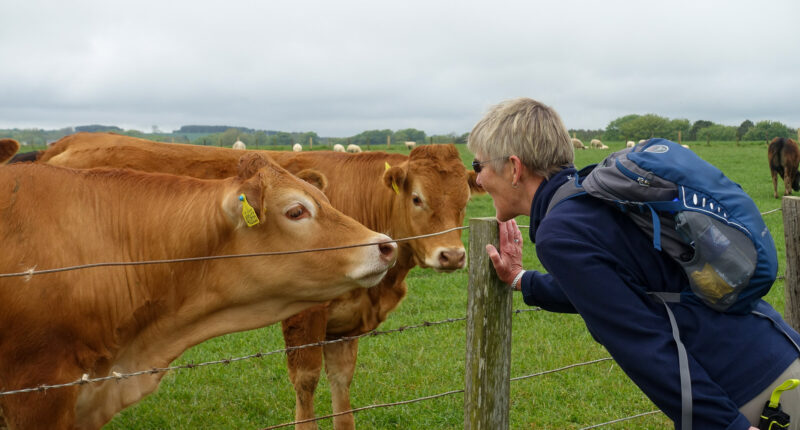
point(600, 265)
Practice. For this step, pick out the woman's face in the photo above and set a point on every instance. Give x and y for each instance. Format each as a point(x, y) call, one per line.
point(498, 185)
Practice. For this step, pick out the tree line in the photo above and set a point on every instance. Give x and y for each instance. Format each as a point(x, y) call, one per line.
point(636, 127)
point(629, 127)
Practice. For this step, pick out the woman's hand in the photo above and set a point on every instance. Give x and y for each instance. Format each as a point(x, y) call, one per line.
point(508, 261)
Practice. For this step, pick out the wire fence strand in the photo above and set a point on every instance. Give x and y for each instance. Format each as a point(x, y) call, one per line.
point(32, 272)
point(435, 396)
point(118, 376)
point(85, 379)
point(643, 414)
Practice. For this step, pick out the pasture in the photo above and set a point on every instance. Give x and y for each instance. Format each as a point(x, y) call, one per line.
point(256, 393)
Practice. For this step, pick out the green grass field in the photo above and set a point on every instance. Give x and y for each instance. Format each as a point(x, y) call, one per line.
point(256, 393)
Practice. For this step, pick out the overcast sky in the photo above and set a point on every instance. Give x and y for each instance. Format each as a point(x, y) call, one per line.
point(340, 67)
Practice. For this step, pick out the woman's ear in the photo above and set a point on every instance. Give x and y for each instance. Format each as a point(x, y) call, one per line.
point(516, 170)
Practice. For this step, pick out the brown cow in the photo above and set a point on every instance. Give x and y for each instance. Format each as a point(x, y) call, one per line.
point(8, 147)
point(784, 158)
point(64, 326)
point(432, 190)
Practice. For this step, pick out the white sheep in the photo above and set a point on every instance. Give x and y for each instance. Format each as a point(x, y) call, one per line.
point(596, 143)
point(577, 144)
point(410, 145)
point(630, 144)
point(297, 147)
point(353, 148)
point(238, 145)
point(338, 147)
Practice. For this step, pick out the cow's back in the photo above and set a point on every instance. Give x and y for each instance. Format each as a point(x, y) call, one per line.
point(87, 150)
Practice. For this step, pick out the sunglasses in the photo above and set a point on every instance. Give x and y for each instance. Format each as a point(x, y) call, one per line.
point(477, 166)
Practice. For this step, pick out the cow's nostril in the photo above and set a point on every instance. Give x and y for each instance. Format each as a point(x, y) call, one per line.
point(387, 250)
point(452, 258)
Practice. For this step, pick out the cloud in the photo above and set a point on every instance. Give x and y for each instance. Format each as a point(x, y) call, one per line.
point(339, 68)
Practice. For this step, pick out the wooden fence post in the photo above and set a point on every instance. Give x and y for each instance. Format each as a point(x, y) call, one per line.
point(488, 363)
point(791, 231)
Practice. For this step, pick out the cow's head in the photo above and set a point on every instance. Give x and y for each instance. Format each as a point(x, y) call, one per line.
point(290, 214)
point(430, 191)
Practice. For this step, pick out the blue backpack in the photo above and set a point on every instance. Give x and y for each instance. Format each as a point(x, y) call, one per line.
point(694, 213)
point(699, 217)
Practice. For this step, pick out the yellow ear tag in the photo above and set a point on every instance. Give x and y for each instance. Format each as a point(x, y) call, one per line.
point(394, 184)
point(248, 213)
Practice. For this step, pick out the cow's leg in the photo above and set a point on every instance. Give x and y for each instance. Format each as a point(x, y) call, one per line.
point(774, 182)
point(305, 364)
point(787, 181)
point(791, 174)
point(340, 364)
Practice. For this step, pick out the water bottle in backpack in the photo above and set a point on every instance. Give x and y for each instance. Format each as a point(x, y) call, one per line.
point(723, 262)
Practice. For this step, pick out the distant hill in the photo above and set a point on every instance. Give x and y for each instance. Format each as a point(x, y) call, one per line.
point(94, 128)
point(211, 129)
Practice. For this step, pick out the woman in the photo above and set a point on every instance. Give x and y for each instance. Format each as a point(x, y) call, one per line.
point(523, 153)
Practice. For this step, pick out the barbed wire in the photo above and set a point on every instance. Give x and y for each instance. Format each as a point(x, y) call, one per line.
point(85, 379)
point(434, 396)
point(376, 406)
point(118, 376)
point(519, 378)
point(32, 272)
point(643, 414)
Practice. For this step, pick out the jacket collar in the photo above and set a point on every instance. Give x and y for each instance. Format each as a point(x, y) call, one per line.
point(543, 196)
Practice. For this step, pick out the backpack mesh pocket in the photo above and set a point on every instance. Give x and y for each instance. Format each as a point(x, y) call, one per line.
point(724, 259)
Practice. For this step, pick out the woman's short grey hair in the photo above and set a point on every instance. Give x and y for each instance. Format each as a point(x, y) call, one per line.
point(526, 128)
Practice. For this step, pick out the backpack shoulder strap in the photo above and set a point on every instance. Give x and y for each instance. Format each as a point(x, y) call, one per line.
point(571, 188)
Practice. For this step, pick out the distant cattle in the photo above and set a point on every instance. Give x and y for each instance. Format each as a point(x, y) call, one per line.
point(784, 157)
point(597, 144)
point(338, 148)
point(8, 147)
point(630, 144)
point(353, 148)
point(410, 144)
point(66, 326)
point(423, 192)
point(239, 145)
point(297, 147)
point(577, 144)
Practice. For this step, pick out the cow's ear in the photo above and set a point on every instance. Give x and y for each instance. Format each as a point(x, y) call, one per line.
point(472, 180)
point(314, 177)
point(8, 147)
point(394, 177)
point(246, 206)
point(249, 164)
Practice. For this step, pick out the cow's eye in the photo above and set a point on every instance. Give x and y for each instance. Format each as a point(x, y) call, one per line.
point(416, 200)
point(297, 212)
